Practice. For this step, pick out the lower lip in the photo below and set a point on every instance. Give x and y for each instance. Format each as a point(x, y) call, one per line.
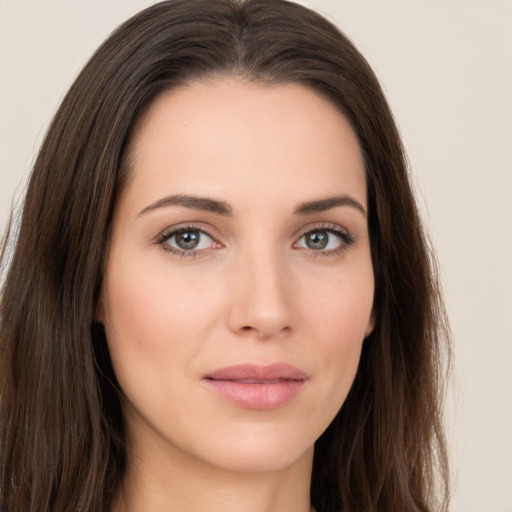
point(269, 395)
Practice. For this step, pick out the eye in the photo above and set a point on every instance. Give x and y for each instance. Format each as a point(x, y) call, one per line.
point(186, 240)
point(325, 239)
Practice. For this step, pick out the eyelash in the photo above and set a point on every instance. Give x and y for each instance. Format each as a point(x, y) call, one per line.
point(346, 240)
point(169, 233)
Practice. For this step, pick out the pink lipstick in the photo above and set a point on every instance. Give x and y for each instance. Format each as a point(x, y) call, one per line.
point(254, 386)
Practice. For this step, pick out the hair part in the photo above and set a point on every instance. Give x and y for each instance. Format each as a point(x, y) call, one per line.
point(62, 441)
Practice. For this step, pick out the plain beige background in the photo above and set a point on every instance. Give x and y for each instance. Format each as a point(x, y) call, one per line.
point(446, 67)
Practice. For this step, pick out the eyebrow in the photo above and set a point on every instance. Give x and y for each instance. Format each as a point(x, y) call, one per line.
point(222, 208)
point(322, 205)
point(195, 203)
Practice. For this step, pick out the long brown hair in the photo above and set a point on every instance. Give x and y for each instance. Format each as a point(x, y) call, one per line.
point(61, 426)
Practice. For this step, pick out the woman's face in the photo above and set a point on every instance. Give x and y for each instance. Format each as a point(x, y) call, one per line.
point(239, 285)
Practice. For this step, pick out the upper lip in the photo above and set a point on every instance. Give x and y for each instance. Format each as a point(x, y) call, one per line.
point(258, 372)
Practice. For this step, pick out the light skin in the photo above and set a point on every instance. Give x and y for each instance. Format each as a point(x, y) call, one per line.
point(240, 237)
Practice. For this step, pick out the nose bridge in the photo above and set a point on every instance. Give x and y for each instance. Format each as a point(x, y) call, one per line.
point(261, 291)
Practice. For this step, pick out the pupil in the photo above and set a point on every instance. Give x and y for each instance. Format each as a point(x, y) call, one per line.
point(187, 239)
point(317, 240)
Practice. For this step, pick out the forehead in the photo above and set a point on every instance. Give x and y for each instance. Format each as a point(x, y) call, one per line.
point(229, 136)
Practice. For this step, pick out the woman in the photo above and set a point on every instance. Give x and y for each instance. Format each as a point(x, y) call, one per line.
point(221, 297)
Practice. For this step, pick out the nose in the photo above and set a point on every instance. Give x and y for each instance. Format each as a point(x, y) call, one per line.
point(261, 292)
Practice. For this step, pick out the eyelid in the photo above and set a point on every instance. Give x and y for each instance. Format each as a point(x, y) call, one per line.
point(326, 226)
point(192, 226)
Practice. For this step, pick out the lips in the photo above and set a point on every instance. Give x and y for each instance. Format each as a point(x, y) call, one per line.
point(254, 386)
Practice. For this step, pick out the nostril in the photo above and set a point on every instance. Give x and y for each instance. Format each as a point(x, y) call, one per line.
point(248, 329)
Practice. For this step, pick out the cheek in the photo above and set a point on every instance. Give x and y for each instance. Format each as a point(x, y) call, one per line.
point(155, 298)
point(155, 321)
point(341, 308)
point(340, 318)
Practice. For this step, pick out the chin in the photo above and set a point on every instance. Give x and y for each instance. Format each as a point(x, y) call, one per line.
point(262, 457)
point(257, 447)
